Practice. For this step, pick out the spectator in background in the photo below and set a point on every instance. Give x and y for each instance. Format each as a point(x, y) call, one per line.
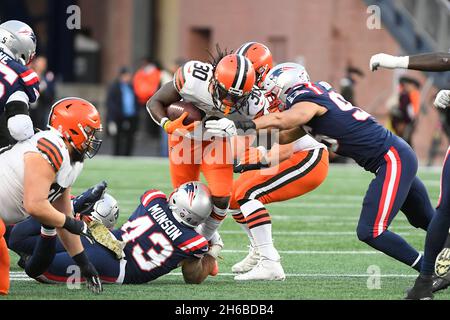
point(40, 110)
point(146, 82)
point(405, 114)
point(123, 113)
point(348, 83)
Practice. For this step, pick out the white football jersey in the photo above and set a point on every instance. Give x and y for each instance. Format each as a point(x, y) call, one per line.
point(50, 145)
point(192, 82)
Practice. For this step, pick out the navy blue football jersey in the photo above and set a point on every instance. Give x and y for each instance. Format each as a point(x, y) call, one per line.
point(358, 134)
point(156, 241)
point(16, 77)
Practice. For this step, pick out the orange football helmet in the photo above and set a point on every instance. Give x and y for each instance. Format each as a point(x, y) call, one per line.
point(232, 83)
point(261, 58)
point(78, 121)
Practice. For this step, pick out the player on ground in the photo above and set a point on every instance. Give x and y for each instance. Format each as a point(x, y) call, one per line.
point(297, 168)
point(36, 176)
point(440, 224)
point(159, 237)
point(221, 89)
point(360, 137)
point(19, 85)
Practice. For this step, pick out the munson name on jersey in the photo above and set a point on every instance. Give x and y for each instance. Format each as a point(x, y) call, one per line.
point(165, 223)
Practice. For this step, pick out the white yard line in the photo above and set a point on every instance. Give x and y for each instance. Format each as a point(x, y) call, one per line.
point(316, 233)
point(23, 277)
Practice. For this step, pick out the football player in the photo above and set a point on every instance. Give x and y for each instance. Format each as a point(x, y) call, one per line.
point(439, 225)
point(19, 84)
point(260, 57)
point(296, 169)
point(360, 137)
point(36, 176)
point(221, 89)
point(159, 237)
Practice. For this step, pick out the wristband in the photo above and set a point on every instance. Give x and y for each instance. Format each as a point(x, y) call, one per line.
point(402, 62)
point(164, 121)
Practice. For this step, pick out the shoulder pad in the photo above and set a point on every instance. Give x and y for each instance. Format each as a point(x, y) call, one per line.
point(52, 148)
point(151, 195)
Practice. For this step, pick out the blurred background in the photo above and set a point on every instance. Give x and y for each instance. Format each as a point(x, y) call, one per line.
point(117, 53)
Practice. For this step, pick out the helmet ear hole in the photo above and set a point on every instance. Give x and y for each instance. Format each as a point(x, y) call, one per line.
point(73, 132)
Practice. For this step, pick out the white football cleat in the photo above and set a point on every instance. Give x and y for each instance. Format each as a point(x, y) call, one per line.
point(265, 270)
point(248, 263)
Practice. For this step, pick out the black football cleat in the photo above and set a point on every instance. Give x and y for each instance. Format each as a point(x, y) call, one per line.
point(440, 284)
point(422, 289)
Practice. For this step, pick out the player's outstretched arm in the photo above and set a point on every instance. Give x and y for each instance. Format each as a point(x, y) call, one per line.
point(298, 115)
point(436, 61)
point(157, 105)
point(195, 271)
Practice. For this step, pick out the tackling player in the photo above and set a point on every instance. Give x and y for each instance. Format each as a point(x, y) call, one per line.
point(439, 226)
point(159, 237)
point(360, 137)
point(296, 168)
point(222, 89)
point(36, 176)
point(19, 85)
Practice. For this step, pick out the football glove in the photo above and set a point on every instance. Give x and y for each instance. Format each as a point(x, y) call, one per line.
point(177, 125)
point(88, 272)
point(84, 203)
point(253, 159)
point(442, 99)
point(387, 61)
point(215, 245)
point(221, 128)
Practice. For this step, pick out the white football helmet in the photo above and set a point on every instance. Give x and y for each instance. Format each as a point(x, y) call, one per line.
point(106, 210)
point(282, 78)
point(18, 40)
point(191, 203)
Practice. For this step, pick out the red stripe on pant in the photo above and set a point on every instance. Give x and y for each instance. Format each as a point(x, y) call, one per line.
point(60, 279)
point(393, 171)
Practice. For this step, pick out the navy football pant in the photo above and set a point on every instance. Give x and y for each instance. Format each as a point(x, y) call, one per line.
point(395, 187)
point(26, 235)
point(440, 224)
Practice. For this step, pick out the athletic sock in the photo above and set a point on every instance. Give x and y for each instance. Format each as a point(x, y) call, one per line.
point(43, 253)
point(240, 219)
point(260, 226)
point(212, 223)
point(395, 246)
point(438, 231)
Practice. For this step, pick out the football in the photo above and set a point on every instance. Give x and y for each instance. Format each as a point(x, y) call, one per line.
point(175, 110)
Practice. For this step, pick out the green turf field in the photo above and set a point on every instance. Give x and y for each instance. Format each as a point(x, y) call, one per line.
point(315, 234)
